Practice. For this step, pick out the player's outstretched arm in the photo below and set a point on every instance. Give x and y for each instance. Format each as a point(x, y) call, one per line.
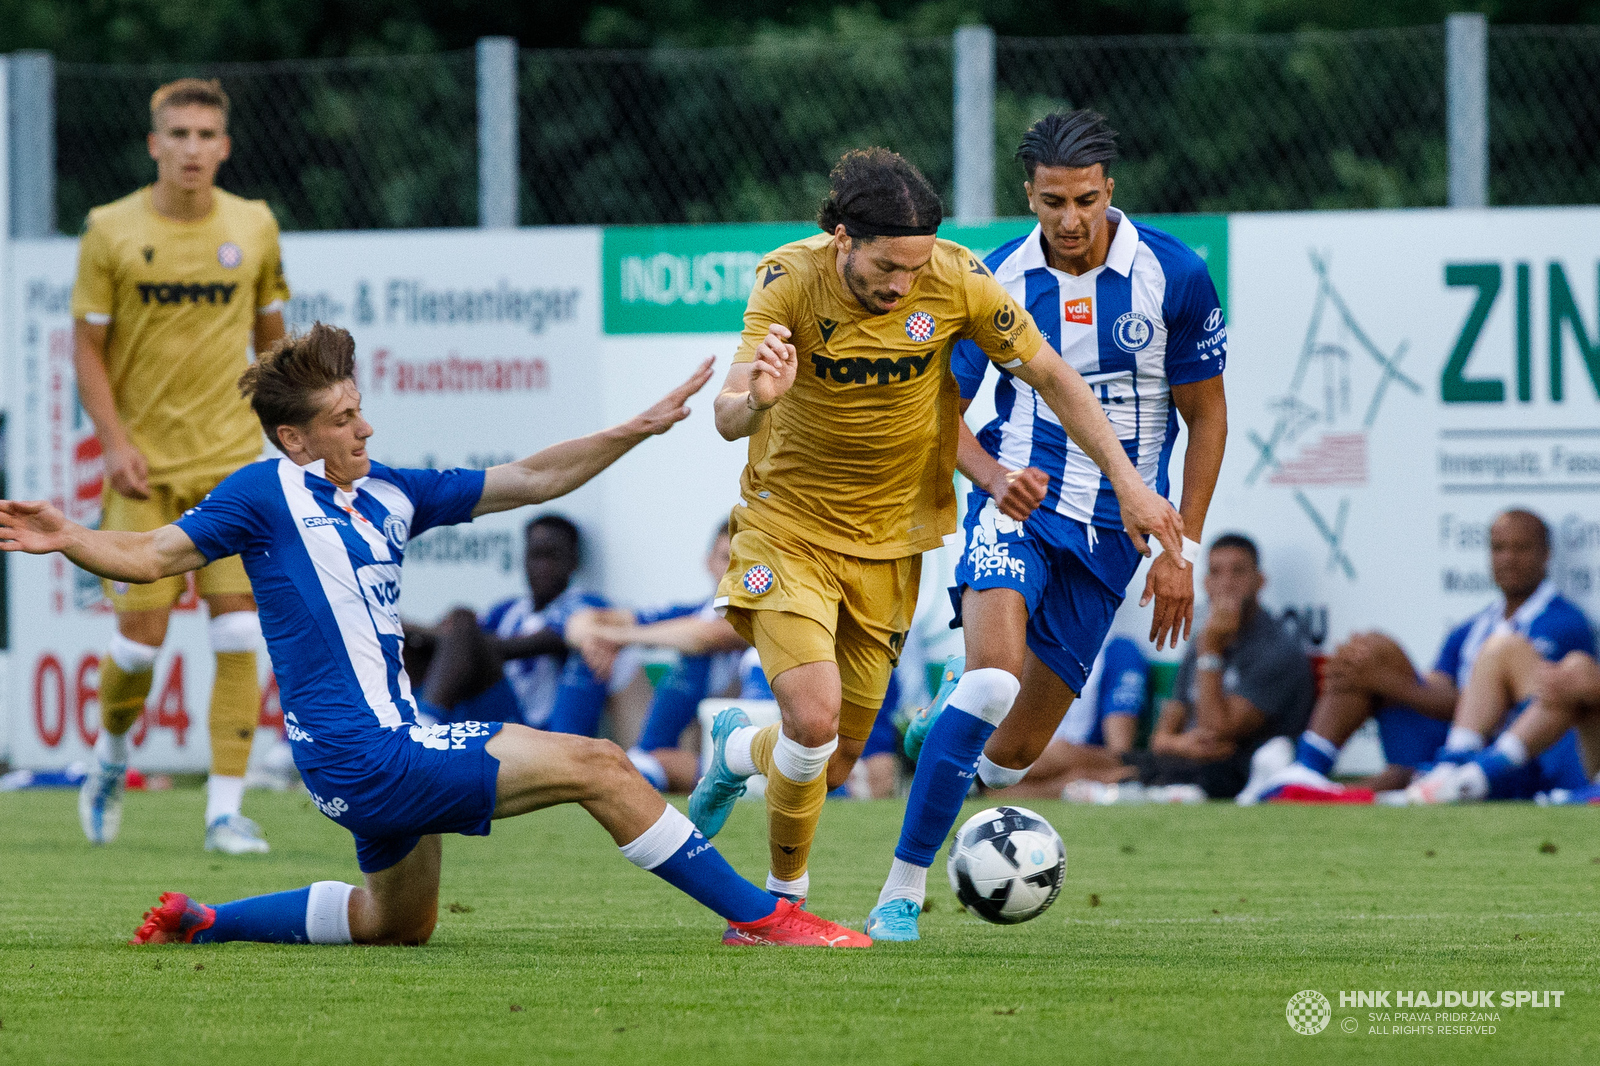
point(560, 468)
point(1064, 391)
point(38, 528)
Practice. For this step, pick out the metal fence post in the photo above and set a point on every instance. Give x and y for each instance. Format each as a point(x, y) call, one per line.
point(31, 143)
point(497, 132)
point(974, 123)
point(1467, 106)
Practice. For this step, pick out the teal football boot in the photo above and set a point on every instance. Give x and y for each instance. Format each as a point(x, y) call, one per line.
point(712, 799)
point(894, 919)
point(922, 721)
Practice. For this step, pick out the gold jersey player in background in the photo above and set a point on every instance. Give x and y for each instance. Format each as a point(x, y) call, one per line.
point(175, 281)
point(842, 382)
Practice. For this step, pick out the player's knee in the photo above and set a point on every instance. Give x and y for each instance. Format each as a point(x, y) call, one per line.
point(986, 693)
point(1499, 646)
point(458, 621)
point(604, 766)
point(1574, 683)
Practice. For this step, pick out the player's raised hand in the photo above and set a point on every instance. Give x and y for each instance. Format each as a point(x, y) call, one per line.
point(1017, 493)
point(1146, 513)
point(1171, 585)
point(129, 472)
point(774, 367)
point(33, 526)
point(673, 408)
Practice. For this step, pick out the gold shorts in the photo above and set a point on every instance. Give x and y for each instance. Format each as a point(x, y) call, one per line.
point(168, 500)
point(863, 606)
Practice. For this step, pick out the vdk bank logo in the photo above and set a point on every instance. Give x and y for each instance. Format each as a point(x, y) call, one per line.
point(1309, 1012)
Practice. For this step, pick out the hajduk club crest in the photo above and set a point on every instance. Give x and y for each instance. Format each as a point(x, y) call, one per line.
point(919, 327)
point(757, 579)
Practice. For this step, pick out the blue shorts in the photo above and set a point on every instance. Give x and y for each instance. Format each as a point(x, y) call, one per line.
point(413, 783)
point(1410, 738)
point(1073, 577)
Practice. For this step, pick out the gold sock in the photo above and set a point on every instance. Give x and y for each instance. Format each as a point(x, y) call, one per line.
point(793, 809)
point(122, 695)
point(235, 710)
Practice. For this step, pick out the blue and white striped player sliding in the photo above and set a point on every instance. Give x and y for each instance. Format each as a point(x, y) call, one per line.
point(323, 533)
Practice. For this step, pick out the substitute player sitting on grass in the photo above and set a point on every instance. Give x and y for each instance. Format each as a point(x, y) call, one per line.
point(1047, 561)
point(842, 385)
point(174, 282)
point(323, 532)
point(1370, 675)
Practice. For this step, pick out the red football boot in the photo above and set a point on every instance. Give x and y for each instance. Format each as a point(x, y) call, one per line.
point(175, 920)
point(791, 926)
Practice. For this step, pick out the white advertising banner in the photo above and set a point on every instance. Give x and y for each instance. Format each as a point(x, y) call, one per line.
point(473, 348)
point(1395, 379)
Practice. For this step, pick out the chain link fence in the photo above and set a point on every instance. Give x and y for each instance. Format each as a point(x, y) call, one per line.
point(1242, 123)
point(367, 143)
point(1544, 115)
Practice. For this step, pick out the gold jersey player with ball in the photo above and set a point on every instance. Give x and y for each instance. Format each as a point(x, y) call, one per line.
point(175, 282)
point(842, 382)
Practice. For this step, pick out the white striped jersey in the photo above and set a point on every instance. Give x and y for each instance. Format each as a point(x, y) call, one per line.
point(325, 568)
point(1147, 319)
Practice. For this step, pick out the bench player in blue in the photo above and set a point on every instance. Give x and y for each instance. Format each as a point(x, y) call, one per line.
point(323, 532)
point(1046, 561)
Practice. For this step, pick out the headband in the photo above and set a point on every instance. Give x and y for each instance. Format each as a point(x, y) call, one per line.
point(868, 229)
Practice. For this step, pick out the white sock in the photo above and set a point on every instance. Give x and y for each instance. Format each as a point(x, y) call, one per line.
point(1321, 743)
point(224, 795)
point(993, 775)
point(1474, 783)
point(737, 751)
point(112, 748)
point(133, 657)
point(1511, 746)
point(1460, 738)
point(661, 841)
point(905, 881)
point(797, 888)
point(328, 913)
point(799, 763)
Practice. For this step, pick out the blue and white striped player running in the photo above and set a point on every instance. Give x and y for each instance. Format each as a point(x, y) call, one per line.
point(323, 533)
point(1047, 560)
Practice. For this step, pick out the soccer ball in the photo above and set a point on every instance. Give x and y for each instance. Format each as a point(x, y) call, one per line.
point(1006, 865)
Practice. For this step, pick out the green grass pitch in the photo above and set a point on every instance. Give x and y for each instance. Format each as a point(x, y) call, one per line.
point(1179, 937)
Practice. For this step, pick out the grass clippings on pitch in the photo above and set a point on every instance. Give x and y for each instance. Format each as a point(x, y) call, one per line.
point(1179, 937)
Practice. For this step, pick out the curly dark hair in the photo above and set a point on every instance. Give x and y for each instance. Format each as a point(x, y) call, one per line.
point(1071, 139)
point(874, 192)
point(283, 383)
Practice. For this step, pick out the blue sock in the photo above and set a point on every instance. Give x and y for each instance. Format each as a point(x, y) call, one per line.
point(674, 851)
point(676, 702)
point(698, 869)
point(945, 772)
point(1496, 765)
point(276, 919)
point(1308, 752)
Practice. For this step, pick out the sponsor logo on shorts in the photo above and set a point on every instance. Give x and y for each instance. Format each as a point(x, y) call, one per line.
point(919, 327)
point(323, 520)
point(230, 255)
point(1132, 332)
point(987, 554)
point(332, 808)
point(758, 579)
point(448, 737)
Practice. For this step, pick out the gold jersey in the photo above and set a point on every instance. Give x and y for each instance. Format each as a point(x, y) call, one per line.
point(859, 455)
point(181, 300)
